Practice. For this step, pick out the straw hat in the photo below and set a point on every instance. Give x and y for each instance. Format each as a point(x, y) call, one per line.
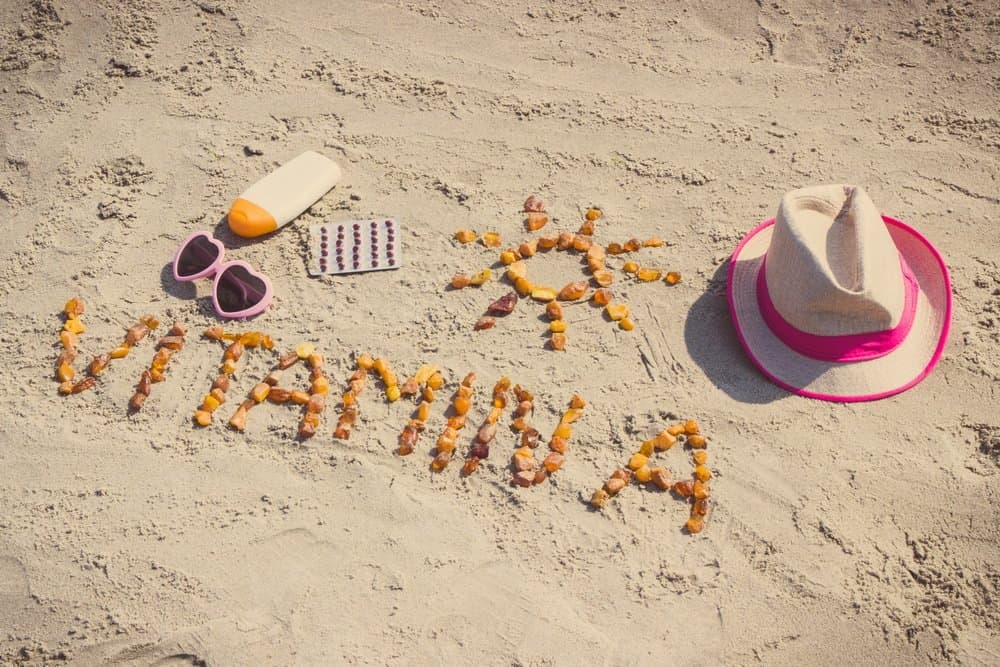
point(834, 301)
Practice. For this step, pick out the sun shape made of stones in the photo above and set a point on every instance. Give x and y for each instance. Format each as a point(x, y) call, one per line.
point(596, 289)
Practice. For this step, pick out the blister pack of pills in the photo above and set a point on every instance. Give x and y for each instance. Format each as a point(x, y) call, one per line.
point(354, 246)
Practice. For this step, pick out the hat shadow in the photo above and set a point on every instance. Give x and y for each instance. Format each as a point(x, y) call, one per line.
point(712, 343)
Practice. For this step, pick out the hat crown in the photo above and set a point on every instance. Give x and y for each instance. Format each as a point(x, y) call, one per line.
point(832, 268)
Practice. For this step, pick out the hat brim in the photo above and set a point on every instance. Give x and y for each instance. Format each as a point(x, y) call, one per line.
point(869, 380)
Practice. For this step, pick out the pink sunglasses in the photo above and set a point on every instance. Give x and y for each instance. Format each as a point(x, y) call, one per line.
point(237, 290)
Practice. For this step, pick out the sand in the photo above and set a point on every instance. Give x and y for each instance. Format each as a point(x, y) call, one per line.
point(863, 533)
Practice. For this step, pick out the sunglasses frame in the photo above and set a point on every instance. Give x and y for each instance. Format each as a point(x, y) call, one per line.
point(216, 269)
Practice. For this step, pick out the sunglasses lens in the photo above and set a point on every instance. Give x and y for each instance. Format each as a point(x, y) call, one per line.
point(238, 289)
point(199, 254)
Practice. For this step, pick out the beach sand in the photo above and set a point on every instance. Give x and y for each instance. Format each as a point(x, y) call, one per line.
point(862, 533)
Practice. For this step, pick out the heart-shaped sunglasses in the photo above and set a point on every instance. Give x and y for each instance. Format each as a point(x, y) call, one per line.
point(237, 290)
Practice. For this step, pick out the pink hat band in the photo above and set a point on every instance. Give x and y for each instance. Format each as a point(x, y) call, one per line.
point(844, 348)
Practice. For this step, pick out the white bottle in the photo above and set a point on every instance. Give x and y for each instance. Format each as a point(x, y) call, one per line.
point(282, 195)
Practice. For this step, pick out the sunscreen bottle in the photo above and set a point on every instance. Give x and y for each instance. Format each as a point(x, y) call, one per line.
point(282, 195)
